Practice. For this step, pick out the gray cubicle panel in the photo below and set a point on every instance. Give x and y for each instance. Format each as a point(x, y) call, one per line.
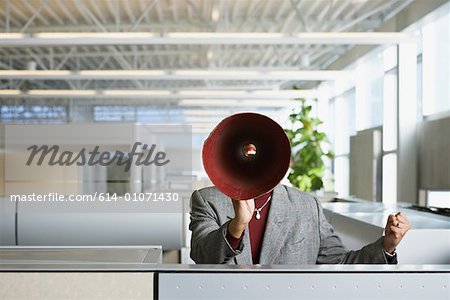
point(7, 222)
point(88, 272)
point(45, 229)
point(434, 154)
point(58, 227)
point(64, 255)
point(132, 280)
point(304, 282)
point(303, 286)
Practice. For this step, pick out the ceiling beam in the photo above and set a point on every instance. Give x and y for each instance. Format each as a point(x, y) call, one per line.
point(143, 15)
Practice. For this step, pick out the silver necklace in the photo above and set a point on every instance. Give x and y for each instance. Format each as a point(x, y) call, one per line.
point(258, 210)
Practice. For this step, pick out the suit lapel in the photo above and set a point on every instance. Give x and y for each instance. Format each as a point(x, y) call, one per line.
point(276, 230)
point(245, 258)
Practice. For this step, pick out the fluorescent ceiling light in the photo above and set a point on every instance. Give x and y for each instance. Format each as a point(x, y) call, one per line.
point(202, 120)
point(198, 112)
point(93, 35)
point(223, 35)
point(266, 95)
point(9, 92)
point(136, 93)
point(218, 113)
point(285, 93)
point(11, 35)
point(275, 94)
point(119, 73)
point(236, 74)
point(302, 75)
point(33, 73)
point(212, 93)
point(241, 87)
point(215, 14)
point(212, 72)
point(224, 74)
point(61, 92)
point(203, 38)
point(236, 103)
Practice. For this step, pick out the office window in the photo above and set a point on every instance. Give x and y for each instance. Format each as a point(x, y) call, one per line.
point(390, 108)
point(420, 83)
point(371, 103)
point(436, 66)
point(369, 91)
point(148, 114)
point(33, 113)
point(342, 176)
point(343, 110)
point(389, 193)
point(438, 199)
point(106, 113)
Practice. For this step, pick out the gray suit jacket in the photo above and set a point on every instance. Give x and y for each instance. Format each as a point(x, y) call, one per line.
point(296, 232)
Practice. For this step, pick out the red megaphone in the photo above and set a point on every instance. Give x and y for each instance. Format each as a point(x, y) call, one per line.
point(246, 155)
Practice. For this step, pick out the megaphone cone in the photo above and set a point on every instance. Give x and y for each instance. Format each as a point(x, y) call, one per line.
point(246, 155)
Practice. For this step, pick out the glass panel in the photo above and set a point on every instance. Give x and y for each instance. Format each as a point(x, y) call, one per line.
point(33, 113)
point(114, 113)
point(439, 198)
point(436, 66)
point(420, 84)
point(390, 58)
point(390, 111)
point(344, 122)
point(390, 179)
point(369, 92)
point(341, 176)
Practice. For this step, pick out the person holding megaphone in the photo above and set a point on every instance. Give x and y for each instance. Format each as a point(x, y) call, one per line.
point(248, 217)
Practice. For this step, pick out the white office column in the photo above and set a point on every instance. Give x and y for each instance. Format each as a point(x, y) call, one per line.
point(407, 164)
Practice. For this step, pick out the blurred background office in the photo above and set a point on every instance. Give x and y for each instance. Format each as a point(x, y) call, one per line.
point(375, 72)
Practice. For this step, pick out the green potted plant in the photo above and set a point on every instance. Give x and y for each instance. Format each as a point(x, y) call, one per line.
point(307, 161)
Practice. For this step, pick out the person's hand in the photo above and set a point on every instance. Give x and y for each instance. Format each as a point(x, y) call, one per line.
point(243, 213)
point(395, 230)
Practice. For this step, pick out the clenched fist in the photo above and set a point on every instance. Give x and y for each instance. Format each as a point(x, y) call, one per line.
point(396, 228)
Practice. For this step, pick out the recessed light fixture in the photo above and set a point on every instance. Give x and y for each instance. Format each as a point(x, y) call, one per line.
point(9, 92)
point(199, 74)
point(203, 38)
point(236, 103)
point(61, 92)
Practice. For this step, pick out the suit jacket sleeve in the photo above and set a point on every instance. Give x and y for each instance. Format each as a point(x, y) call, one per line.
point(208, 243)
point(332, 251)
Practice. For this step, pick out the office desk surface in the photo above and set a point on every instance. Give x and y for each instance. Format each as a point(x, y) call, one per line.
point(60, 257)
point(376, 214)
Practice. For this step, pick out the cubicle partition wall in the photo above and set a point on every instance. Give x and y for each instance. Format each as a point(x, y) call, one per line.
point(147, 281)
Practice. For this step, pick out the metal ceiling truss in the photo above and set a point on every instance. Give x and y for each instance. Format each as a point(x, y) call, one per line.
point(286, 17)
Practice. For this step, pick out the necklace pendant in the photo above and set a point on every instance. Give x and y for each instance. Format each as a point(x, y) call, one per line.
point(258, 216)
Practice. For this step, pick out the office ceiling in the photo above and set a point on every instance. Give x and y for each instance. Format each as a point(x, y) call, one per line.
point(162, 16)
